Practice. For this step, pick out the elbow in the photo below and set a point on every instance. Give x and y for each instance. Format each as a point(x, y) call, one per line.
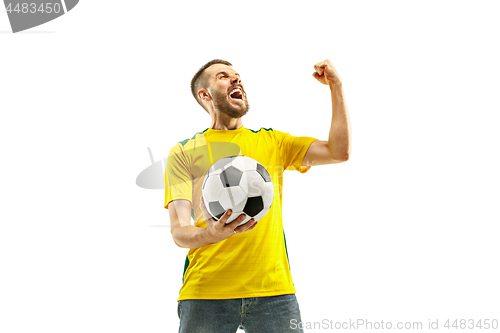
point(339, 154)
point(176, 242)
point(179, 244)
point(346, 153)
point(342, 157)
point(345, 157)
point(175, 239)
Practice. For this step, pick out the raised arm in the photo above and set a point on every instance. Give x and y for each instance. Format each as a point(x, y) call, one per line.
point(338, 147)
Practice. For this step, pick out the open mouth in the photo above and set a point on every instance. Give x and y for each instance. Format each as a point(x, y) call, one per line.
point(236, 94)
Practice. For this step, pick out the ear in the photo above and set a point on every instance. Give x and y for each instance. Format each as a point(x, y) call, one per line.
point(204, 95)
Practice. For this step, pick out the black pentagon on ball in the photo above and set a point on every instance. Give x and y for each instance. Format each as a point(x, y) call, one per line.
point(263, 172)
point(231, 177)
point(253, 206)
point(216, 209)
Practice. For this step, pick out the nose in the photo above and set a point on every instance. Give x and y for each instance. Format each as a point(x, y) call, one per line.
point(235, 79)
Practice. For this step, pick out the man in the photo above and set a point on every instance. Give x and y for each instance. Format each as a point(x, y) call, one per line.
point(239, 276)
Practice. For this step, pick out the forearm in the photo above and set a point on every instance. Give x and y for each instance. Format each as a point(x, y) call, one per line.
point(191, 237)
point(339, 139)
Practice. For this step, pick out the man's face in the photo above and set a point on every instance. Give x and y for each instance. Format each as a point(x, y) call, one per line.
point(226, 89)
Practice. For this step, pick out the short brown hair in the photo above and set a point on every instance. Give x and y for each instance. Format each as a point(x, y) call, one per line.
point(200, 81)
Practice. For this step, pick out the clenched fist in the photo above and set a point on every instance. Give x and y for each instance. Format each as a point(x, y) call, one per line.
point(326, 73)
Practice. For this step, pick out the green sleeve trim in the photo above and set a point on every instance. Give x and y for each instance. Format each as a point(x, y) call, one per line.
point(262, 128)
point(186, 265)
point(194, 136)
point(286, 251)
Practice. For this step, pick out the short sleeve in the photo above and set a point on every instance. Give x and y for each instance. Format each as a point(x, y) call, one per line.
point(293, 149)
point(178, 178)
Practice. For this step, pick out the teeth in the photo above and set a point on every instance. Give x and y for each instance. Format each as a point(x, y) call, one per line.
point(236, 89)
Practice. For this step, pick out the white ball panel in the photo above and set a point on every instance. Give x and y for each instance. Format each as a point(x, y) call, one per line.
point(243, 183)
point(232, 196)
point(238, 195)
point(213, 188)
point(225, 199)
point(254, 183)
point(239, 206)
point(244, 163)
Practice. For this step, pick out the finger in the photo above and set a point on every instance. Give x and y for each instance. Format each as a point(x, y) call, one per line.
point(318, 70)
point(320, 67)
point(328, 66)
point(225, 217)
point(234, 224)
point(246, 227)
point(325, 63)
point(320, 78)
point(251, 224)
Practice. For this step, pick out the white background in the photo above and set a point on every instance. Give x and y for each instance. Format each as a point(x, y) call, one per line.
point(406, 230)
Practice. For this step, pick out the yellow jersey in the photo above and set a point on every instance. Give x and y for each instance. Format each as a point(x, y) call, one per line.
point(253, 263)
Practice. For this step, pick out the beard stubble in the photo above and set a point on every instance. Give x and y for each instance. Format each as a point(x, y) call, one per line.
point(222, 104)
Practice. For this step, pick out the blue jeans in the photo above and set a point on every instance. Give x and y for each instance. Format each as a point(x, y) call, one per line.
point(254, 315)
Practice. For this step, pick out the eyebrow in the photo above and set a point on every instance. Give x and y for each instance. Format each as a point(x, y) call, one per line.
point(225, 73)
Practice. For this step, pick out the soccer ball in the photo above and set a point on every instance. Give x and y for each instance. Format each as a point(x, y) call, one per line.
point(241, 184)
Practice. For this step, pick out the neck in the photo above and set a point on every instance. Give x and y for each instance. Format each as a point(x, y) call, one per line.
point(226, 123)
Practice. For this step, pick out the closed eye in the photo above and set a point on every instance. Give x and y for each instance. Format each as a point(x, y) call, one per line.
point(222, 75)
